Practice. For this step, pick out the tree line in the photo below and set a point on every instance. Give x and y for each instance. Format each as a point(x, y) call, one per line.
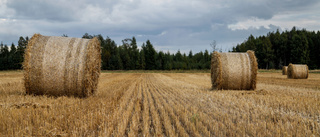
point(279, 49)
point(272, 51)
point(126, 56)
point(12, 58)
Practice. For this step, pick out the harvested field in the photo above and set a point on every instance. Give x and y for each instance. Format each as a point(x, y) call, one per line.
point(165, 104)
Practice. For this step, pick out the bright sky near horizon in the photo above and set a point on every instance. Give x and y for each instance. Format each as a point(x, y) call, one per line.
point(170, 25)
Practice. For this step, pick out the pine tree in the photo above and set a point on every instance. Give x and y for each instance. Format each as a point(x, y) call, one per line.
point(134, 54)
point(1, 57)
point(150, 56)
point(190, 60)
point(169, 61)
point(22, 44)
point(160, 61)
point(184, 62)
point(4, 57)
point(299, 49)
point(207, 59)
point(118, 61)
point(12, 59)
point(111, 47)
point(142, 60)
point(87, 36)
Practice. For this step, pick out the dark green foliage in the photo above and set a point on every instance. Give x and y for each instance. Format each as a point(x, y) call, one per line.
point(279, 49)
point(207, 59)
point(22, 44)
point(12, 58)
point(4, 55)
point(161, 61)
point(87, 36)
point(142, 60)
point(150, 56)
point(134, 54)
point(272, 51)
point(128, 57)
point(264, 53)
point(119, 57)
point(168, 61)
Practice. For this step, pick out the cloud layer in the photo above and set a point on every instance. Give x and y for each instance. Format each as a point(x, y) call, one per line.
point(169, 24)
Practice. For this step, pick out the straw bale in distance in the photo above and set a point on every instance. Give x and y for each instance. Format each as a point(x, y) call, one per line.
point(62, 66)
point(297, 71)
point(236, 71)
point(284, 70)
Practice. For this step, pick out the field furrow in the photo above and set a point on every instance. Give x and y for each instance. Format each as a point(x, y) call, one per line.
point(163, 107)
point(146, 111)
point(174, 118)
point(187, 116)
point(135, 124)
point(156, 121)
point(176, 97)
point(164, 122)
point(123, 112)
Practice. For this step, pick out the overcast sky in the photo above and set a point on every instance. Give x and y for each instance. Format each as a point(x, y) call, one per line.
point(168, 24)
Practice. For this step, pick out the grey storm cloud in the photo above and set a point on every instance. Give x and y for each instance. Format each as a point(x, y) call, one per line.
point(169, 24)
point(42, 10)
point(177, 12)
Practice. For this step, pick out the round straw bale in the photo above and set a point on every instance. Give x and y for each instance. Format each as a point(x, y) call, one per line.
point(235, 71)
point(284, 70)
point(297, 71)
point(60, 66)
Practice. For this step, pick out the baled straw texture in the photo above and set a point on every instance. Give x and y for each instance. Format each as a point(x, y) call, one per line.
point(60, 66)
point(297, 71)
point(284, 70)
point(235, 71)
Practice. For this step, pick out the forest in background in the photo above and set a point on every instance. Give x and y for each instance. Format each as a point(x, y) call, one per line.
point(279, 49)
point(126, 56)
point(272, 51)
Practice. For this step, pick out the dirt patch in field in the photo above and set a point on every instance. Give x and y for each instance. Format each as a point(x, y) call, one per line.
point(257, 92)
point(25, 105)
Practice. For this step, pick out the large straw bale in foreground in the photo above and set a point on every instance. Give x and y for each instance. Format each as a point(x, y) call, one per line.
point(62, 66)
point(297, 71)
point(236, 71)
point(284, 70)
